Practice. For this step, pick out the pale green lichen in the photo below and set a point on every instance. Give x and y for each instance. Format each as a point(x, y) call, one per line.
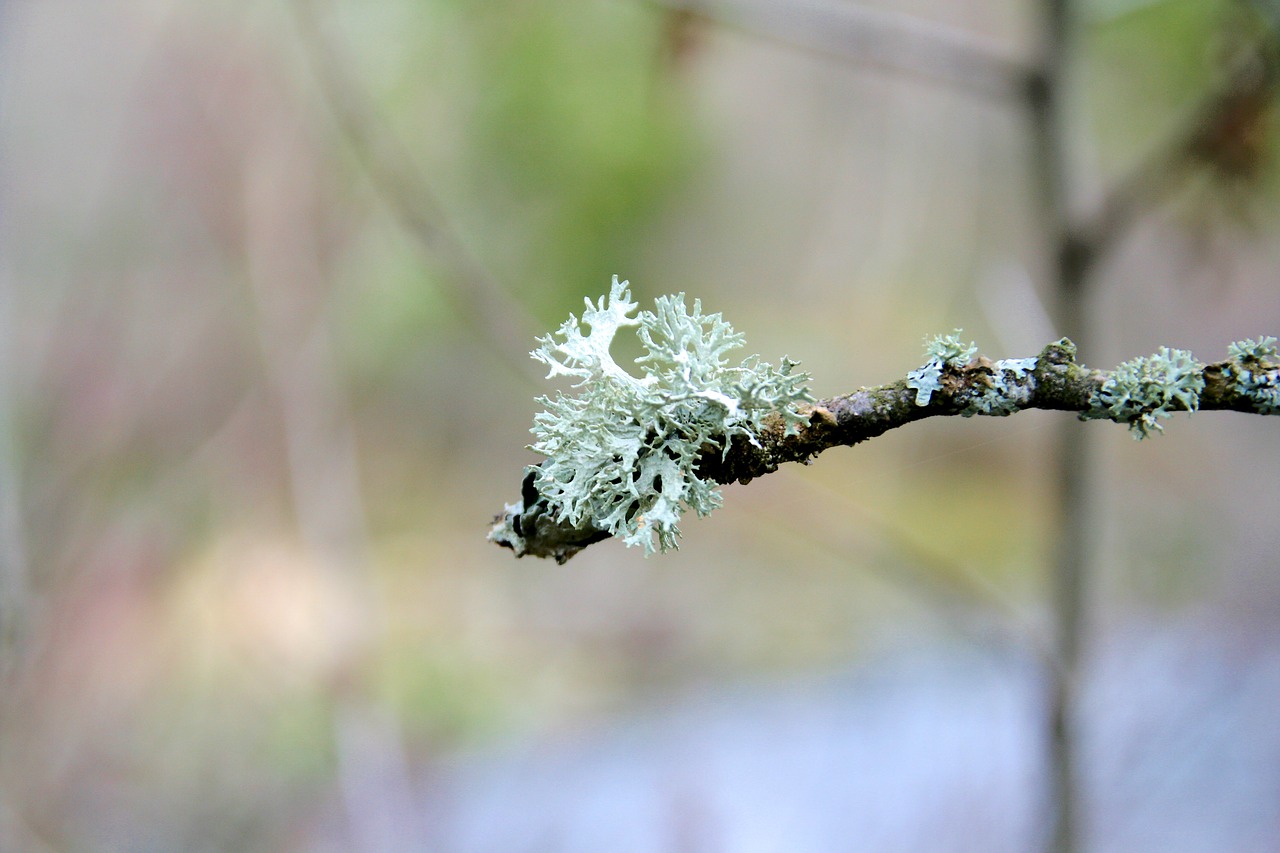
point(1256, 371)
point(622, 453)
point(1251, 351)
point(1143, 391)
point(1010, 389)
point(940, 350)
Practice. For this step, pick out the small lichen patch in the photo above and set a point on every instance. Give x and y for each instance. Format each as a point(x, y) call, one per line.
point(1011, 384)
point(1143, 391)
point(1256, 370)
point(940, 350)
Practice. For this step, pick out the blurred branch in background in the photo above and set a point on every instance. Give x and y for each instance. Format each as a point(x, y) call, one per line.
point(1075, 246)
point(1053, 176)
point(1224, 131)
point(490, 310)
point(291, 291)
point(893, 42)
point(16, 600)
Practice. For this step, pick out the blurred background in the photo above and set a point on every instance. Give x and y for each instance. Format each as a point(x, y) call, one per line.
point(269, 275)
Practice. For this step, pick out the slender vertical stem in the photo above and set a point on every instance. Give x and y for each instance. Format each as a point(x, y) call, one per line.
point(1071, 262)
point(1069, 576)
point(15, 584)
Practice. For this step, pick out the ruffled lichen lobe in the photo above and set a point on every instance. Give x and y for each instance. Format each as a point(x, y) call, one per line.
point(1144, 391)
point(1255, 368)
point(623, 454)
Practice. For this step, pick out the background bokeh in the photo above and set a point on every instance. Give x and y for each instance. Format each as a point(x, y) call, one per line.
point(269, 273)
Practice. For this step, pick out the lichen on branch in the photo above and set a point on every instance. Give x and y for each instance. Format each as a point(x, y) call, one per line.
point(628, 454)
point(622, 453)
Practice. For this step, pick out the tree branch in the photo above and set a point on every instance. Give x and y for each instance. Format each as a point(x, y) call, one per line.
point(1057, 382)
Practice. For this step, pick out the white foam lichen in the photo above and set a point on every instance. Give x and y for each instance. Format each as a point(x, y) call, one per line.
point(622, 451)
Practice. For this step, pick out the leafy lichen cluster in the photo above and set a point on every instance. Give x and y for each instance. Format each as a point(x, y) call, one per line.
point(940, 350)
point(1256, 370)
point(1143, 391)
point(622, 453)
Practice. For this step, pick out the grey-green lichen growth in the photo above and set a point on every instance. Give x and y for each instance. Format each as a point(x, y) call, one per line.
point(940, 351)
point(1256, 370)
point(1143, 391)
point(1010, 389)
point(622, 453)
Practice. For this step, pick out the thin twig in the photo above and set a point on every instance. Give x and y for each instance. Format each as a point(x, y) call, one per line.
point(15, 583)
point(324, 481)
point(889, 41)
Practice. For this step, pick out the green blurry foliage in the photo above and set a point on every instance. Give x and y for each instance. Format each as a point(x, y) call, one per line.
point(553, 132)
point(392, 308)
point(1149, 63)
point(1154, 56)
point(579, 136)
point(445, 692)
